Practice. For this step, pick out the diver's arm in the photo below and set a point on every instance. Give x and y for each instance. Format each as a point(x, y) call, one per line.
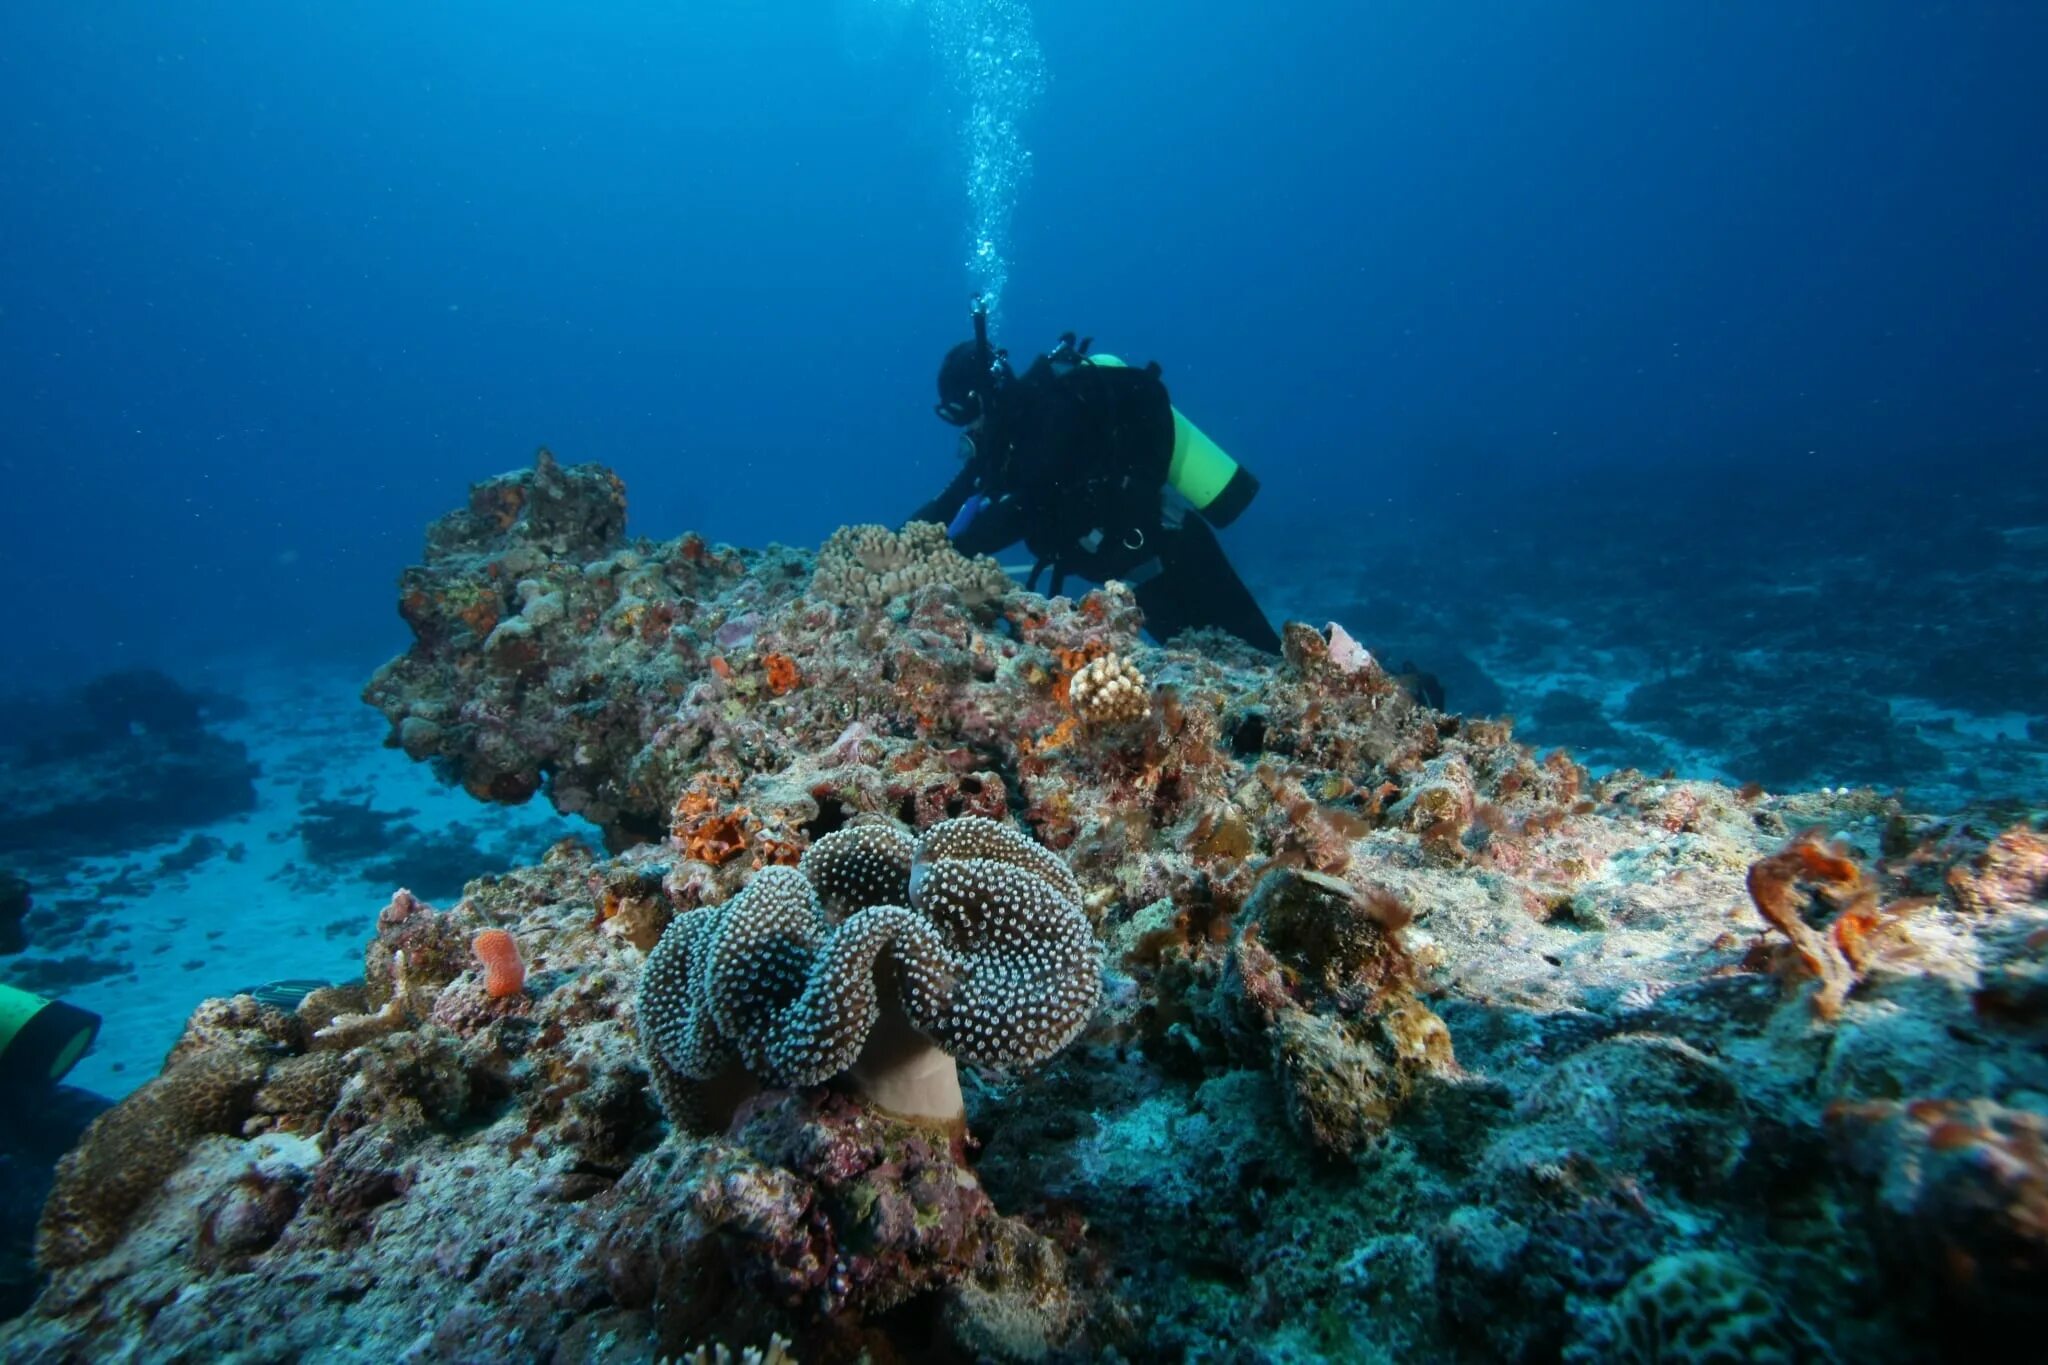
point(942, 508)
point(999, 523)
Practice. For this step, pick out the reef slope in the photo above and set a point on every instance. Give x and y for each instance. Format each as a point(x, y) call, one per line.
point(1413, 1042)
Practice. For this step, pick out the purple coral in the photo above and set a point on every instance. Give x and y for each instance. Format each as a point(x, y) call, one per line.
point(880, 958)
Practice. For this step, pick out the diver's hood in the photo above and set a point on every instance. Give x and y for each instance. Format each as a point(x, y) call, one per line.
point(972, 373)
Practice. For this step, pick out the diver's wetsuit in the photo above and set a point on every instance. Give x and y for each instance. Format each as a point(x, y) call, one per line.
point(1073, 461)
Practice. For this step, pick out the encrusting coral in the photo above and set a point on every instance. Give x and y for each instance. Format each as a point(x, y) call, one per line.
point(881, 957)
point(1700, 1308)
point(127, 1152)
point(1379, 1034)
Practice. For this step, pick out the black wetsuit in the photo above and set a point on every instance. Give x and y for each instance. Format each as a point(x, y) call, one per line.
point(1073, 460)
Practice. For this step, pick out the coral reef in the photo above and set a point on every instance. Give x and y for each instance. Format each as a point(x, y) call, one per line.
point(128, 759)
point(1682, 628)
point(1399, 1039)
point(531, 603)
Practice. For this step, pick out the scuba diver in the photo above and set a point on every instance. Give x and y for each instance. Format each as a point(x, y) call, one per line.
point(1087, 461)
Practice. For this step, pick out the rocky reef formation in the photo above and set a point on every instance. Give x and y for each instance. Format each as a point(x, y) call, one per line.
point(1407, 1042)
point(1683, 628)
point(126, 759)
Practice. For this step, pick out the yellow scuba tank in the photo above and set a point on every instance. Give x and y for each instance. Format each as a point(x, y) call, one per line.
point(1204, 474)
point(40, 1039)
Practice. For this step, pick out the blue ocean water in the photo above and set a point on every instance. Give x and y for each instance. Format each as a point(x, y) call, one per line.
point(283, 280)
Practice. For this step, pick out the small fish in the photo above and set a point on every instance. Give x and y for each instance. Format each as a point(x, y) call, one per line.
point(286, 994)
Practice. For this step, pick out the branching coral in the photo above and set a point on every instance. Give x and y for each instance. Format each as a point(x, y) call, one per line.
point(867, 565)
point(878, 958)
point(353, 1029)
point(716, 1353)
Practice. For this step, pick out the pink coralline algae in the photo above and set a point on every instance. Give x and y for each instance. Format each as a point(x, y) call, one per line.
point(1291, 1016)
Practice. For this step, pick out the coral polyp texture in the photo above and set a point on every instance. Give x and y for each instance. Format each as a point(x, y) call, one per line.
point(971, 938)
point(1109, 691)
point(869, 565)
point(908, 1013)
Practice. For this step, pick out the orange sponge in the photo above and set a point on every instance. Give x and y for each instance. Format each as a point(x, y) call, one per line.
point(504, 973)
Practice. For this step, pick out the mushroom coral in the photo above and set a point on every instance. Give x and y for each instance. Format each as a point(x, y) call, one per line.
point(880, 959)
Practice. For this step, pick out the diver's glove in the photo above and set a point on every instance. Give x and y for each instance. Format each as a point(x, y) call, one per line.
point(964, 518)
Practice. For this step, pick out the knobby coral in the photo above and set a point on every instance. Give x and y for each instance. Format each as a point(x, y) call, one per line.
point(867, 565)
point(1109, 691)
point(879, 958)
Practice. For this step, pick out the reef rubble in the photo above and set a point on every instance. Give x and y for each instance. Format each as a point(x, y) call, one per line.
point(1409, 1041)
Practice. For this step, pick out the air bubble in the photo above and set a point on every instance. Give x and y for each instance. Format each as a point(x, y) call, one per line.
point(991, 54)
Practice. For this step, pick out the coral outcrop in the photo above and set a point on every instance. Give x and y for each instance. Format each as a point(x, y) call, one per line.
point(531, 604)
point(1328, 990)
point(129, 758)
point(1403, 1040)
point(879, 958)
